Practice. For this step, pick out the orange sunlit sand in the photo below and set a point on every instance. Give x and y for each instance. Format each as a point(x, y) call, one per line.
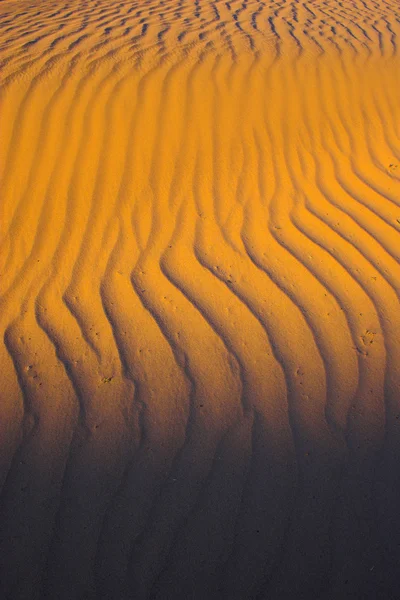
point(199, 277)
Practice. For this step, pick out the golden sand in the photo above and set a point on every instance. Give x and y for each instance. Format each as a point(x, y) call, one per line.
point(200, 240)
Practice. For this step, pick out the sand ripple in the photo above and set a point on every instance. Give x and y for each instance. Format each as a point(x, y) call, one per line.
point(200, 241)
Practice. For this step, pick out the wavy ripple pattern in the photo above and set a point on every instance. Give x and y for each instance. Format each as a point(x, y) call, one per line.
point(200, 324)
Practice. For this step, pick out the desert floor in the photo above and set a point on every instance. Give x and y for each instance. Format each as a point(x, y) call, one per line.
point(200, 318)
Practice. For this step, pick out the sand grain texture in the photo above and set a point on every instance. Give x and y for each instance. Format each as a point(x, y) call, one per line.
point(200, 241)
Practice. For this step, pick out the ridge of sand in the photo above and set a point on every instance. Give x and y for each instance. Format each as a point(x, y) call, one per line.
point(200, 227)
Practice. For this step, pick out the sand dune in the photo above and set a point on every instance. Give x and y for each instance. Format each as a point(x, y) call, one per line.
point(200, 241)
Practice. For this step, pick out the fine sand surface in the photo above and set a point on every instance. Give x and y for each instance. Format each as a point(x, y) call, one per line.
point(200, 319)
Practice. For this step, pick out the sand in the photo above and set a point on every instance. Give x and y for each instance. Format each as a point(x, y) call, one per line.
point(199, 275)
